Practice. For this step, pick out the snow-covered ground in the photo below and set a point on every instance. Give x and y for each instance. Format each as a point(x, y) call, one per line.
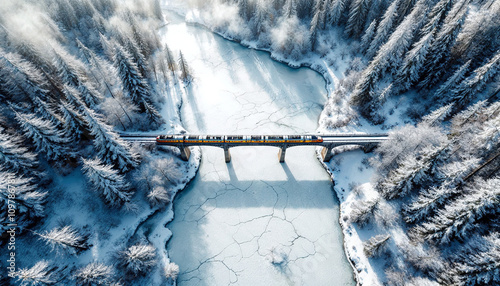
point(253, 221)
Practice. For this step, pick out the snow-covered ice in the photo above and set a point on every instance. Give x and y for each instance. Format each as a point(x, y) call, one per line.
point(253, 221)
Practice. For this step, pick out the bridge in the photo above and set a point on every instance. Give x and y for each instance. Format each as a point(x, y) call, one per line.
point(328, 141)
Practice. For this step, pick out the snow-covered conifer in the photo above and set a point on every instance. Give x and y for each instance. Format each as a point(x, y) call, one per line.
point(29, 199)
point(46, 138)
point(384, 28)
point(477, 263)
point(334, 10)
point(171, 271)
point(110, 148)
point(476, 82)
point(409, 73)
point(74, 125)
point(172, 65)
point(42, 273)
point(111, 185)
point(453, 81)
point(362, 211)
point(14, 156)
point(66, 239)
point(94, 273)
point(427, 202)
point(459, 218)
point(375, 245)
point(289, 9)
point(318, 15)
point(20, 79)
point(368, 36)
point(137, 259)
point(186, 75)
point(47, 112)
point(357, 17)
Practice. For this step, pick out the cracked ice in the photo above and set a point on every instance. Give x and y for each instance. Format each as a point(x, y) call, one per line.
point(253, 221)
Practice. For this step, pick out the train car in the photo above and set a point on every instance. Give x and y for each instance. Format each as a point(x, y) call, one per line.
point(214, 139)
point(295, 139)
point(170, 139)
point(256, 139)
point(235, 139)
point(275, 139)
point(317, 139)
point(192, 139)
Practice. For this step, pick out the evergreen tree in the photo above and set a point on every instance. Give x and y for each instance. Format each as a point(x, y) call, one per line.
point(65, 239)
point(290, 9)
point(334, 9)
point(42, 273)
point(94, 274)
point(445, 89)
point(29, 200)
point(357, 17)
point(476, 82)
point(47, 112)
point(368, 36)
point(375, 245)
point(459, 218)
point(74, 125)
point(110, 148)
point(137, 259)
point(46, 138)
point(14, 156)
point(172, 65)
point(315, 22)
point(384, 29)
point(477, 263)
point(185, 73)
point(111, 185)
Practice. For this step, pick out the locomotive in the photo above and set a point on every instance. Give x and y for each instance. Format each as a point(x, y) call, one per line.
point(218, 139)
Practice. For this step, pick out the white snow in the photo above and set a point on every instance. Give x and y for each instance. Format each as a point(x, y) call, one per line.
point(254, 220)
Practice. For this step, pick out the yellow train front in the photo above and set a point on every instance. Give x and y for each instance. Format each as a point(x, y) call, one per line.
point(250, 139)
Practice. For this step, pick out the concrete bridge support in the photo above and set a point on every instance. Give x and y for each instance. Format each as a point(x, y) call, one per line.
point(227, 154)
point(369, 147)
point(281, 155)
point(326, 154)
point(185, 153)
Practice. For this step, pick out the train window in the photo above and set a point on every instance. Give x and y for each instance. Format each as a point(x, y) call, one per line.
point(315, 137)
point(257, 138)
point(192, 137)
point(294, 137)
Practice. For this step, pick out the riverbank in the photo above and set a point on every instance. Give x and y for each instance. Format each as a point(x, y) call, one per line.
point(342, 175)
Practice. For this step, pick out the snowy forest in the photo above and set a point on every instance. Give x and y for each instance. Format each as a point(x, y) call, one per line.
point(73, 74)
point(432, 64)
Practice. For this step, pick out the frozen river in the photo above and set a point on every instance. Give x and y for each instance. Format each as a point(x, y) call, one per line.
point(253, 221)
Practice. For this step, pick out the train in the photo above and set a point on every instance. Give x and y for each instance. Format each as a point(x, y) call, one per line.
point(218, 139)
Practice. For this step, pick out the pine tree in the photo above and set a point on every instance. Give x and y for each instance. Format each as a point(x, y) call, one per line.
point(29, 200)
point(384, 29)
point(20, 79)
point(436, 16)
point(185, 72)
point(368, 36)
point(172, 65)
point(111, 185)
point(315, 22)
point(137, 259)
point(47, 112)
point(65, 239)
point(445, 89)
point(74, 125)
point(410, 71)
point(375, 245)
point(477, 263)
point(459, 218)
point(46, 138)
point(438, 55)
point(14, 156)
point(334, 9)
point(42, 273)
point(476, 82)
point(137, 88)
point(357, 17)
point(94, 274)
point(290, 9)
point(428, 202)
point(110, 148)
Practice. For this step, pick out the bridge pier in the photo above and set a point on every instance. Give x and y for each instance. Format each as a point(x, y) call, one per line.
point(369, 147)
point(281, 155)
point(326, 154)
point(185, 153)
point(227, 154)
